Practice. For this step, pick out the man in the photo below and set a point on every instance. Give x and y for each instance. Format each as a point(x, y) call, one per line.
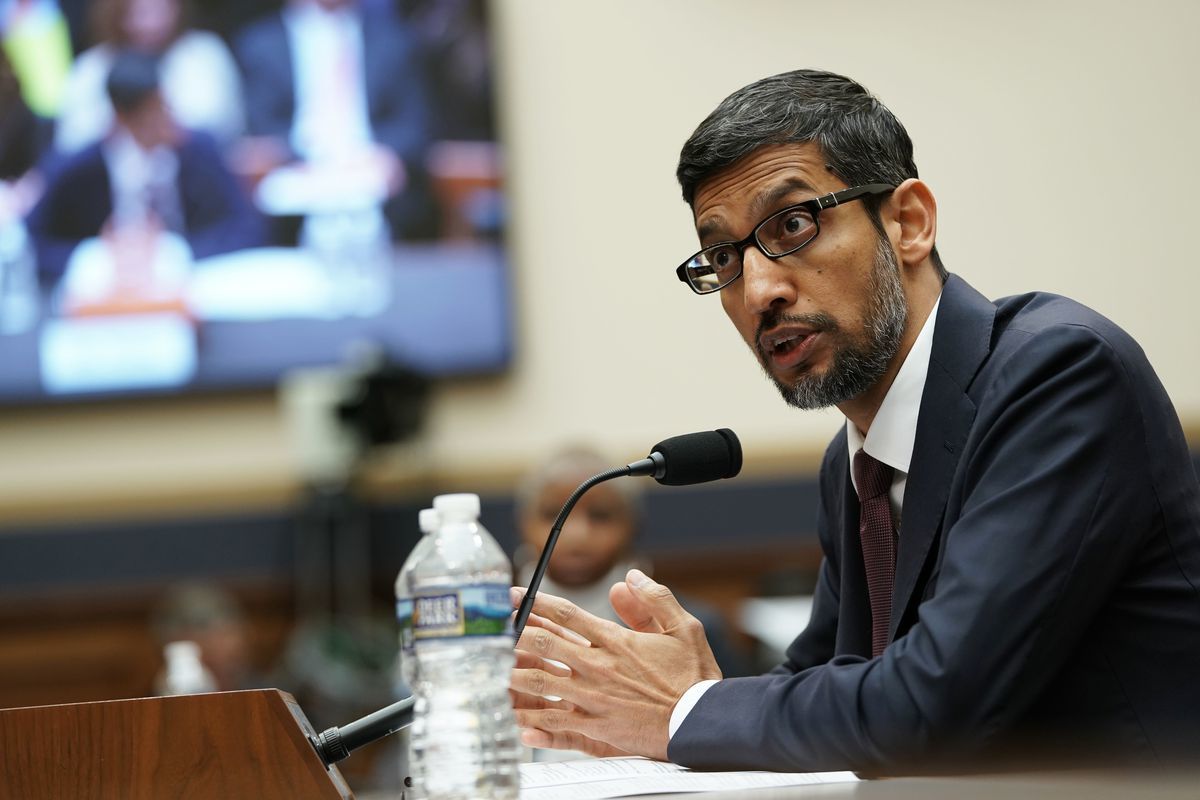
point(147, 176)
point(335, 83)
point(1010, 517)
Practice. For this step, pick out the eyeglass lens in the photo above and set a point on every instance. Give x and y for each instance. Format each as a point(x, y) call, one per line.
point(779, 234)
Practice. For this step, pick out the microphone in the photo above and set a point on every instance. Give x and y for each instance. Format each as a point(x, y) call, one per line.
point(678, 461)
point(692, 458)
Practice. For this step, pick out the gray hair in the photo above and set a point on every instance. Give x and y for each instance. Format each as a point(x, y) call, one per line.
point(860, 139)
point(570, 463)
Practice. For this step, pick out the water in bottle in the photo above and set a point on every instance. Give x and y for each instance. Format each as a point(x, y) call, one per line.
point(184, 672)
point(427, 520)
point(464, 736)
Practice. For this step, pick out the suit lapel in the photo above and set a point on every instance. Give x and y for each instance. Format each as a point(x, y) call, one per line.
point(961, 341)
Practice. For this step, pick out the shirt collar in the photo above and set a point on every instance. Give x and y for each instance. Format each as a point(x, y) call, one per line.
point(894, 430)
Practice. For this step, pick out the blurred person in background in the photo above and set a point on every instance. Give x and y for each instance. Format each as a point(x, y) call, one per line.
point(23, 135)
point(200, 82)
point(149, 176)
point(338, 88)
point(210, 617)
point(458, 58)
point(598, 542)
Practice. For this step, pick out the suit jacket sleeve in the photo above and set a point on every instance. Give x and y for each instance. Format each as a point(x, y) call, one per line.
point(76, 203)
point(396, 89)
point(264, 56)
point(219, 215)
point(1054, 499)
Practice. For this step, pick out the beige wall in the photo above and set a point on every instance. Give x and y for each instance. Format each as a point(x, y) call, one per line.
point(1059, 138)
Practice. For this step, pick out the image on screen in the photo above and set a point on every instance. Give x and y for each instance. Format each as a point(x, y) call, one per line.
point(205, 195)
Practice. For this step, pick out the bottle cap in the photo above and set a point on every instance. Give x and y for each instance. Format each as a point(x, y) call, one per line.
point(428, 520)
point(456, 506)
point(182, 651)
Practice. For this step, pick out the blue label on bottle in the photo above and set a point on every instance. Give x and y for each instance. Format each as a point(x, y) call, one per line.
point(478, 610)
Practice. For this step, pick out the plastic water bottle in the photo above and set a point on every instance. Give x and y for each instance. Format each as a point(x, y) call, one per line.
point(354, 248)
point(18, 279)
point(185, 673)
point(427, 520)
point(464, 736)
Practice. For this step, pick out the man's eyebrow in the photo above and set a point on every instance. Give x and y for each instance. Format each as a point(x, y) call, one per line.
point(709, 226)
point(760, 205)
point(766, 202)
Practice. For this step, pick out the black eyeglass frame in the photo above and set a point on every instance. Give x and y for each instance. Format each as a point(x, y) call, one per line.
point(813, 206)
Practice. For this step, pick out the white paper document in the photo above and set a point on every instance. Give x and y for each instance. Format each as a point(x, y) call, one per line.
point(598, 778)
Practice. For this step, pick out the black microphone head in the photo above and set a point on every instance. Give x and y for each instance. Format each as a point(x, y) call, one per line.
point(699, 457)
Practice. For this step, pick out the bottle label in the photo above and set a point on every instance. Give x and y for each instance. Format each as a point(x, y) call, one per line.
point(479, 610)
point(404, 615)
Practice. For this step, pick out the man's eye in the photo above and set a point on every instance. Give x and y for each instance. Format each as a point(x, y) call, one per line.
point(794, 224)
point(723, 258)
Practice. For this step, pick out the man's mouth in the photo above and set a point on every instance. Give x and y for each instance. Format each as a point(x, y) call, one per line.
point(788, 347)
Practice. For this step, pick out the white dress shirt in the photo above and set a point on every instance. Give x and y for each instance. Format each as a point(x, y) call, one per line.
point(331, 119)
point(143, 182)
point(890, 440)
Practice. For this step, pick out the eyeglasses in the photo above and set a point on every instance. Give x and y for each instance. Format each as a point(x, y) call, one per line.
point(781, 234)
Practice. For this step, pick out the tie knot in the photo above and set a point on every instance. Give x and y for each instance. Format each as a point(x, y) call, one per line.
point(872, 477)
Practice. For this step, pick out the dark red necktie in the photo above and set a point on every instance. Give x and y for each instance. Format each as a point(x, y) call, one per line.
point(873, 480)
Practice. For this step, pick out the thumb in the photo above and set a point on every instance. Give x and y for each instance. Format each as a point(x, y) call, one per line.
point(657, 601)
point(631, 610)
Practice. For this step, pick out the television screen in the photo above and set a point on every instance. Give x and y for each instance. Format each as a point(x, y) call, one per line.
point(212, 206)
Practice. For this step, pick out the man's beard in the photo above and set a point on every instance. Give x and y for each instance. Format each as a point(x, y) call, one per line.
point(860, 361)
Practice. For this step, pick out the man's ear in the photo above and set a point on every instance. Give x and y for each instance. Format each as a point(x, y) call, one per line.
point(912, 221)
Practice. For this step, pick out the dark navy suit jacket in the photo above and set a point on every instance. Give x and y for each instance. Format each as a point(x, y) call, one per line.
point(217, 215)
point(1047, 592)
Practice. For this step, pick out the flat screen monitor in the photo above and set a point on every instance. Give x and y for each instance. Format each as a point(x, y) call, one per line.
point(333, 182)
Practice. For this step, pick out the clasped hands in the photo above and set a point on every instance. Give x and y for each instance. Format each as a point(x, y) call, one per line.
point(618, 688)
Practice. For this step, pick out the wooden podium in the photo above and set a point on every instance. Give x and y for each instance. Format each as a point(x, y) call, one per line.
point(227, 745)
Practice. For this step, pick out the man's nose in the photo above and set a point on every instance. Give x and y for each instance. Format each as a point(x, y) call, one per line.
point(767, 281)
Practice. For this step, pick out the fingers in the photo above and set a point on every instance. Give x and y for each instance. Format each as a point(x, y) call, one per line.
point(568, 740)
point(539, 683)
point(541, 622)
point(528, 702)
point(568, 615)
point(517, 594)
point(546, 643)
point(531, 661)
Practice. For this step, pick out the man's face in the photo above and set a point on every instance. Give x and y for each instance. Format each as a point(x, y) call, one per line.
point(150, 24)
point(594, 538)
point(150, 123)
point(826, 321)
